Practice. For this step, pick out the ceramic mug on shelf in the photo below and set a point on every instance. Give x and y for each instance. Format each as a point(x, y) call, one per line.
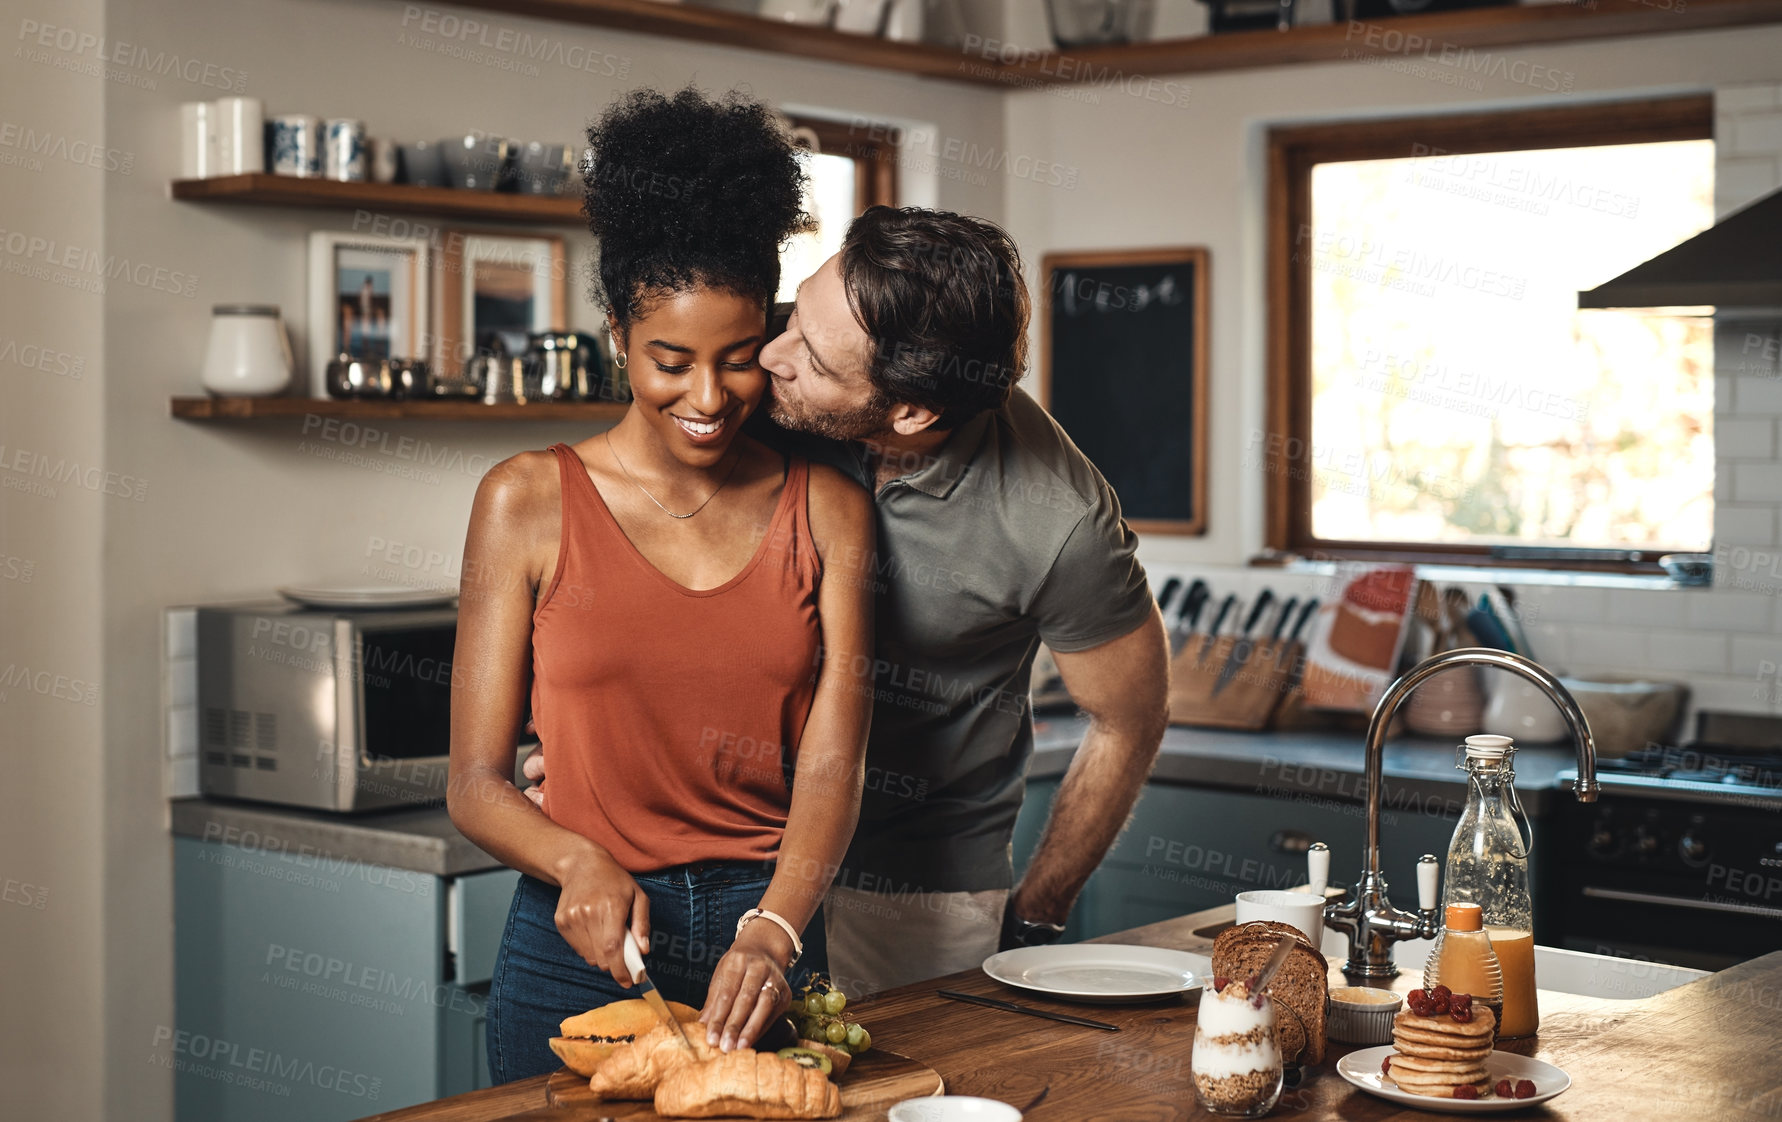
point(294, 142)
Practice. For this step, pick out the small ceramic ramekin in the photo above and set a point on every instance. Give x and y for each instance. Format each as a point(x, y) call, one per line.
point(1362, 1015)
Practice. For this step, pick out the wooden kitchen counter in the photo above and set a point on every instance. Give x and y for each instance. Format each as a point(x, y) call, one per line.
point(1706, 1050)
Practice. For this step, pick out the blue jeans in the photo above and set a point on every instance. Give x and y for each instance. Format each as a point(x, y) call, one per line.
point(539, 980)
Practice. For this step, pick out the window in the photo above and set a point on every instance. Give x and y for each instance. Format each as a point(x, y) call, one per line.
point(850, 170)
point(1435, 390)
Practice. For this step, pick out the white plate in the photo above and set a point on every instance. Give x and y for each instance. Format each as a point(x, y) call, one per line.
point(1363, 1069)
point(380, 596)
point(1100, 973)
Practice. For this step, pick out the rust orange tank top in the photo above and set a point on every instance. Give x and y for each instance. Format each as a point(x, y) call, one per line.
point(670, 717)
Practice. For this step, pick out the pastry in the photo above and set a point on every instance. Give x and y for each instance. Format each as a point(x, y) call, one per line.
point(634, 1070)
point(747, 1084)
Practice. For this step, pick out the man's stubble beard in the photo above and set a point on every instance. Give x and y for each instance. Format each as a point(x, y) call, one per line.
point(862, 422)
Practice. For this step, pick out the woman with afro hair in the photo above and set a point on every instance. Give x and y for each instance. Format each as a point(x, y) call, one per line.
point(688, 610)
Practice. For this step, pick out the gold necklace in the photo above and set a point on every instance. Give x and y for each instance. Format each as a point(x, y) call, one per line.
point(654, 499)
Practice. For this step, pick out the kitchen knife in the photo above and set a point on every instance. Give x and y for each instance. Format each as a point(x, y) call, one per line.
point(1225, 607)
point(1170, 587)
point(1281, 619)
point(1305, 616)
point(1189, 616)
point(1240, 651)
point(634, 963)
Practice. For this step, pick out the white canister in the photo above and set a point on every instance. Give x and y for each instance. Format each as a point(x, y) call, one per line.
point(384, 159)
point(197, 140)
point(903, 23)
point(249, 352)
point(241, 135)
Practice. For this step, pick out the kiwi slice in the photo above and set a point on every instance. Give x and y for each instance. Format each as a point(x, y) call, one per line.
point(805, 1057)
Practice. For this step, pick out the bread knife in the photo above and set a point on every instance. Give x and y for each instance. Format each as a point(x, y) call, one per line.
point(634, 963)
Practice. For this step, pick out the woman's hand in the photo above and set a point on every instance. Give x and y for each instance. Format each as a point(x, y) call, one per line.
point(598, 901)
point(749, 989)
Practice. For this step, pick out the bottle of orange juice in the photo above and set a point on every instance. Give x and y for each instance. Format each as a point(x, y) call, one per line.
point(1488, 866)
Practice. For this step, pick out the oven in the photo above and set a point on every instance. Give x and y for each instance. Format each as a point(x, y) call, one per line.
point(1679, 860)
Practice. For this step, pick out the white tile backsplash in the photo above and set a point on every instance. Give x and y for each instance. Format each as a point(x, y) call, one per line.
point(1687, 651)
point(1720, 610)
point(1744, 438)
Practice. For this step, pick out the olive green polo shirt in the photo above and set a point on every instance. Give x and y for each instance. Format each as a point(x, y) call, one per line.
point(1006, 537)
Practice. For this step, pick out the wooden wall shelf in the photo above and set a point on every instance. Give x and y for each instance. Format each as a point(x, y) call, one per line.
point(734, 29)
point(1399, 37)
point(262, 189)
point(1418, 38)
point(420, 409)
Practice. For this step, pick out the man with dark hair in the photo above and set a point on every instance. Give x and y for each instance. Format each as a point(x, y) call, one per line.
point(995, 534)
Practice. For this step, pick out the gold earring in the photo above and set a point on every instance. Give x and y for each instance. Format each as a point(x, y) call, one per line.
point(619, 360)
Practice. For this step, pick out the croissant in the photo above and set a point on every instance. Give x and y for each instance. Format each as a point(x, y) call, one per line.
point(747, 1084)
point(633, 1071)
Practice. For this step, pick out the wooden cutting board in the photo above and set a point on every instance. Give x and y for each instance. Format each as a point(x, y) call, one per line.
point(874, 1083)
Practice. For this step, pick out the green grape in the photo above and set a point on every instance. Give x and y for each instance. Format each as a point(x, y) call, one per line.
point(836, 1032)
point(856, 1034)
point(835, 1001)
point(814, 1003)
point(865, 1041)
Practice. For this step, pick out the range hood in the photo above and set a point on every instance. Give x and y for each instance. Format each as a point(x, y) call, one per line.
point(1734, 265)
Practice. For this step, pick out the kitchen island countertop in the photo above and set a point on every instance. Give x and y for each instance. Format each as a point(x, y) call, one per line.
point(1702, 1050)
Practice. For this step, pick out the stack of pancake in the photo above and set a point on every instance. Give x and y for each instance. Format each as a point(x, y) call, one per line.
point(1434, 1055)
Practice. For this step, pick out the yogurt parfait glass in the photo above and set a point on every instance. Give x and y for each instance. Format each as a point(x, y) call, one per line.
point(1237, 1059)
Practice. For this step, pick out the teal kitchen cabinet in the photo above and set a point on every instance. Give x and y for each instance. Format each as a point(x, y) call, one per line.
point(1188, 848)
point(311, 988)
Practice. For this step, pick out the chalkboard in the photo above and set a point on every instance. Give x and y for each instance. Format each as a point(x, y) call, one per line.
point(1123, 368)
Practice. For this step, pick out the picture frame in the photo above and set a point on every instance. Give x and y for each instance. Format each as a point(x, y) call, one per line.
point(497, 281)
point(1123, 367)
point(368, 296)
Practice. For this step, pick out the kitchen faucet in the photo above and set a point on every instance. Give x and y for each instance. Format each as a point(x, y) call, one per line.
point(1364, 913)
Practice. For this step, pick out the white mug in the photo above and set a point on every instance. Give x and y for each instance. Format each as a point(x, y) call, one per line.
point(1296, 909)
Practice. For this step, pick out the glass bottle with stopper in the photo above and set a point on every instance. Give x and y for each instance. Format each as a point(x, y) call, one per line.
point(1488, 866)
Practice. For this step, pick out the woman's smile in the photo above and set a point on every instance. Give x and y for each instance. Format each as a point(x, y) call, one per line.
point(703, 430)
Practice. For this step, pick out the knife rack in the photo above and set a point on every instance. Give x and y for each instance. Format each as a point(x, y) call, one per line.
point(1248, 699)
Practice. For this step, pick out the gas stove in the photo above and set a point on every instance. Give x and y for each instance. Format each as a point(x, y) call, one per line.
point(1702, 772)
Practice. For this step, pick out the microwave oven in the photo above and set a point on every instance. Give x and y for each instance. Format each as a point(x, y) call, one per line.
point(333, 710)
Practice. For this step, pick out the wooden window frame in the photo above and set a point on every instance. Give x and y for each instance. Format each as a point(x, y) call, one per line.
point(1293, 151)
point(875, 158)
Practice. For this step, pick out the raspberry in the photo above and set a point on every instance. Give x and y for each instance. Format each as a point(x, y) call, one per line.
point(1525, 1089)
point(1439, 1001)
point(1386, 1066)
point(1505, 1089)
point(1419, 1002)
point(1441, 992)
point(1466, 1091)
point(1461, 1016)
point(1460, 1003)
